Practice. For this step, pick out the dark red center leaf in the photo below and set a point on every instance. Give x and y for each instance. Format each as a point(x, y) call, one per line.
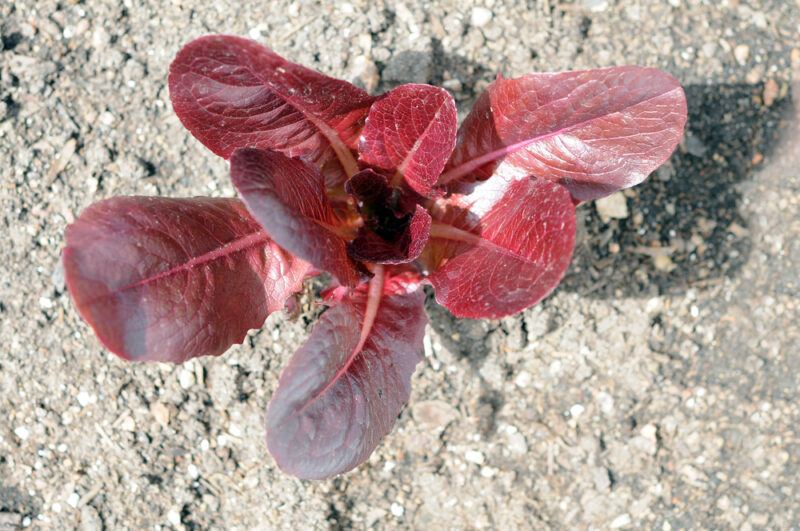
point(395, 227)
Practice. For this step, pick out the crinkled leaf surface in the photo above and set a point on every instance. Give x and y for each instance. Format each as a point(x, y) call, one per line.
point(287, 197)
point(594, 131)
point(502, 248)
point(395, 228)
point(334, 401)
point(171, 279)
point(411, 132)
point(232, 92)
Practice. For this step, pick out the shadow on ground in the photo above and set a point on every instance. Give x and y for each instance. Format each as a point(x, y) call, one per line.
point(688, 211)
point(684, 228)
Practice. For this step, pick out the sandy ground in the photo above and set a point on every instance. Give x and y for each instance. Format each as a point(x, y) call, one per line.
point(657, 388)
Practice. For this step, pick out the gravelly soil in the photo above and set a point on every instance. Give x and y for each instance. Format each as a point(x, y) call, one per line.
point(657, 388)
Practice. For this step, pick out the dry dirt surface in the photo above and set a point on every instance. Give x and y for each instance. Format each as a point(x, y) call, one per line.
point(656, 388)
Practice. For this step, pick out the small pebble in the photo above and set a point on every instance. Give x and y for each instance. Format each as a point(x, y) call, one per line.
point(474, 456)
point(174, 518)
point(397, 509)
point(160, 412)
point(480, 16)
point(596, 6)
point(22, 432)
point(614, 206)
point(576, 410)
point(741, 53)
point(621, 521)
point(84, 398)
point(770, 93)
point(434, 413)
point(186, 378)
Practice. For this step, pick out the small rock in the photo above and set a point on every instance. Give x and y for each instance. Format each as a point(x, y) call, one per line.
point(397, 509)
point(73, 499)
point(90, 520)
point(760, 20)
point(84, 398)
point(601, 479)
point(474, 456)
point(596, 6)
point(646, 441)
point(364, 70)
point(59, 282)
point(665, 172)
point(453, 85)
point(741, 53)
point(576, 410)
point(612, 207)
point(434, 413)
point(771, 91)
point(480, 16)
point(621, 521)
point(174, 518)
point(128, 424)
point(695, 146)
point(516, 442)
point(664, 263)
point(186, 378)
point(709, 49)
point(160, 412)
point(22, 432)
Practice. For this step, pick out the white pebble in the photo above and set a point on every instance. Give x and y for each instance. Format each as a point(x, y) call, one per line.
point(186, 378)
point(741, 53)
point(397, 509)
point(614, 206)
point(174, 518)
point(73, 499)
point(22, 432)
point(522, 379)
point(480, 16)
point(576, 410)
point(474, 456)
point(84, 398)
point(621, 521)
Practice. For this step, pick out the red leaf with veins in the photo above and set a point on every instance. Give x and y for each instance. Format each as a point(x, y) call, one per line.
point(232, 92)
point(287, 197)
point(502, 248)
point(342, 391)
point(594, 131)
point(411, 132)
point(172, 279)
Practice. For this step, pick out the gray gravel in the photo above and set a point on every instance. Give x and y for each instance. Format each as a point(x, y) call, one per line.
point(657, 388)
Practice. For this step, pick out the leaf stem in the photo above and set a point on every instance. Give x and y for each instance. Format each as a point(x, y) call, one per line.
point(374, 295)
point(449, 232)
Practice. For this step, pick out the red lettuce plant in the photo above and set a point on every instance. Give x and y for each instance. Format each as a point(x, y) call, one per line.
point(386, 195)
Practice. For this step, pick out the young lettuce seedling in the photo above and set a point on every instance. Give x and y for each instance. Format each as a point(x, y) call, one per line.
point(386, 194)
